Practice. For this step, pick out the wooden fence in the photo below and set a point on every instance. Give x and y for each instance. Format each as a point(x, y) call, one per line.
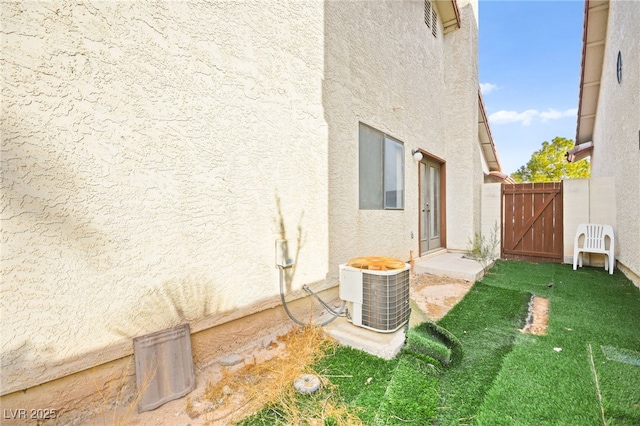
point(532, 222)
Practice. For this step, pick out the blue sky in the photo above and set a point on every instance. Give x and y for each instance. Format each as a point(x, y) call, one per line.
point(530, 53)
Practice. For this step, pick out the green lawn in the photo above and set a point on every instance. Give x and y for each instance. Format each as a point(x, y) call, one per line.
point(475, 367)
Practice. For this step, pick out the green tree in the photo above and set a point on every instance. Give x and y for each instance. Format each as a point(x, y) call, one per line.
point(550, 165)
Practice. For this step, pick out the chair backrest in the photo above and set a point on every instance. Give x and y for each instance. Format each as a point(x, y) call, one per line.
point(594, 235)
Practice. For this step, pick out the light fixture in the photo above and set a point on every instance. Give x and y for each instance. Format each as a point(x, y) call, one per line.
point(417, 155)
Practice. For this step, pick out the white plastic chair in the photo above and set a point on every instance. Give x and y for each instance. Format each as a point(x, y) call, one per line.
point(595, 241)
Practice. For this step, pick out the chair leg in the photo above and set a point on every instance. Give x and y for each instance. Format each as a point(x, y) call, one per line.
point(612, 262)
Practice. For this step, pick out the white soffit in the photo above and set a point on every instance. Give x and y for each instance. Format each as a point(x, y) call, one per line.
point(593, 46)
point(449, 14)
point(579, 152)
point(485, 139)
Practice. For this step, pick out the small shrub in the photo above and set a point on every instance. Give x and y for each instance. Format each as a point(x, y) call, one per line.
point(483, 249)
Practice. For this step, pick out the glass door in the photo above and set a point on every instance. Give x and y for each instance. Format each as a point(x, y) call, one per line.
point(429, 206)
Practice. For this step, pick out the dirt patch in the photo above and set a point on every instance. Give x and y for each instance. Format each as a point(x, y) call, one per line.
point(231, 393)
point(436, 295)
point(221, 396)
point(538, 318)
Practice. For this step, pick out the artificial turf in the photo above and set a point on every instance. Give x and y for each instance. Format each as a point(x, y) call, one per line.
point(486, 322)
point(411, 396)
point(564, 377)
point(476, 367)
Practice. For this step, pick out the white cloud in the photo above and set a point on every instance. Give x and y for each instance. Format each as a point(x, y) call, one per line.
point(552, 114)
point(505, 117)
point(487, 88)
point(527, 117)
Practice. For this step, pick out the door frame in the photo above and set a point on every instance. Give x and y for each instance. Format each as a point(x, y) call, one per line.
point(443, 200)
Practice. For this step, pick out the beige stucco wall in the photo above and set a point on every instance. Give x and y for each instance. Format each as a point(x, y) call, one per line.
point(106, 394)
point(465, 175)
point(492, 214)
point(575, 204)
point(144, 151)
point(385, 69)
point(152, 155)
point(587, 201)
point(616, 135)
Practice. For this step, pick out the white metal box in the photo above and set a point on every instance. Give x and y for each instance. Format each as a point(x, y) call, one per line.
point(377, 300)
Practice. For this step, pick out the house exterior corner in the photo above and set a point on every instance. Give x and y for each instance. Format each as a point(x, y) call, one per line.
point(155, 154)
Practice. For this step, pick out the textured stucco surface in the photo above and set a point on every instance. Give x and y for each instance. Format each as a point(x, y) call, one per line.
point(589, 200)
point(384, 68)
point(144, 151)
point(575, 204)
point(463, 153)
point(106, 394)
point(617, 128)
point(153, 153)
point(492, 214)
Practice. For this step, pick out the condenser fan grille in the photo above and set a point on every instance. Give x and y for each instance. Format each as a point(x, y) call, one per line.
point(385, 300)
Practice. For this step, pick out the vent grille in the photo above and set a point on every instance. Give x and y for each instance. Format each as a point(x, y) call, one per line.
point(385, 301)
point(164, 366)
point(431, 17)
point(434, 23)
point(427, 13)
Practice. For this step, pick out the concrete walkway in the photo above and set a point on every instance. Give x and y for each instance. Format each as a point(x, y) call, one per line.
point(452, 265)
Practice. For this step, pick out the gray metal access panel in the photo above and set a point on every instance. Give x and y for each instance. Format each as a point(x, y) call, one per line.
point(164, 366)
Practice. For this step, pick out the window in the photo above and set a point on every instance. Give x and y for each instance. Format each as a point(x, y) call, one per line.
point(381, 170)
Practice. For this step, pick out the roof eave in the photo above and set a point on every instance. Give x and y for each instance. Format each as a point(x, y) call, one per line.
point(503, 176)
point(486, 140)
point(596, 14)
point(449, 14)
point(579, 152)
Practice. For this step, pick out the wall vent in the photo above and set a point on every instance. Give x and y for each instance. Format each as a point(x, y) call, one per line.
point(164, 366)
point(434, 23)
point(427, 13)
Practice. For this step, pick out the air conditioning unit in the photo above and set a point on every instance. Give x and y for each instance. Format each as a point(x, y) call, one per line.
point(376, 299)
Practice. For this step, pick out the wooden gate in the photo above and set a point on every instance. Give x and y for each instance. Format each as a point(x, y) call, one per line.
point(532, 222)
